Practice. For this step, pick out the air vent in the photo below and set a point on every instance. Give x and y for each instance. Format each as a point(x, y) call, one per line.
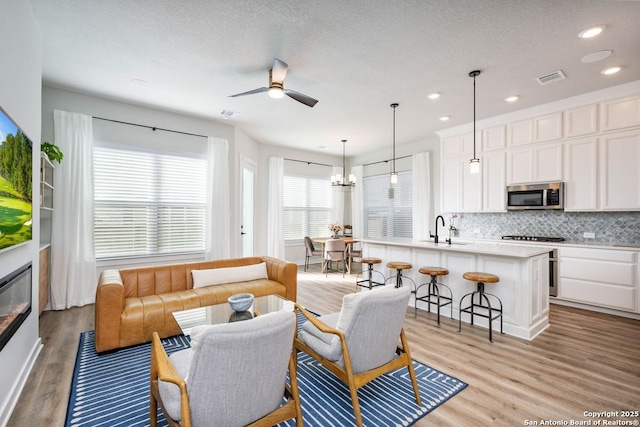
point(551, 77)
point(228, 114)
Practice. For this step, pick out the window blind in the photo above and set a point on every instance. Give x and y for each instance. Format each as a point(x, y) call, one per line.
point(388, 207)
point(148, 202)
point(307, 206)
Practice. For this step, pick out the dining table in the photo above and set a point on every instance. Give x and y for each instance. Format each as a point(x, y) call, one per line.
point(349, 243)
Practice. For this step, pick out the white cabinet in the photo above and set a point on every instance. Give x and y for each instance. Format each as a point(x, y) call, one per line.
point(494, 138)
point(581, 174)
point(605, 278)
point(620, 113)
point(460, 190)
point(581, 121)
point(547, 128)
point(459, 145)
point(451, 184)
point(536, 163)
point(494, 175)
point(520, 133)
point(620, 171)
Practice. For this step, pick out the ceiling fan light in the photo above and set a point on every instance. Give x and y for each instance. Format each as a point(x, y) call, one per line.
point(276, 92)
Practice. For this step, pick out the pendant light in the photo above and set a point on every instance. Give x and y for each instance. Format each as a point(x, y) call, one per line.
point(394, 174)
point(341, 180)
point(474, 164)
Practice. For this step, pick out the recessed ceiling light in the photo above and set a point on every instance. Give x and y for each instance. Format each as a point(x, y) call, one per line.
point(596, 56)
point(513, 98)
point(445, 118)
point(611, 70)
point(228, 114)
point(587, 33)
point(434, 95)
point(322, 147)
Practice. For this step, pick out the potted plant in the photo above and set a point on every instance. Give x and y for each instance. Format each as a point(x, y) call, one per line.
point(52, 151)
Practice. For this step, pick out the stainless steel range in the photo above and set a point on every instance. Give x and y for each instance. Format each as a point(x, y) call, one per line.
point(553, 258)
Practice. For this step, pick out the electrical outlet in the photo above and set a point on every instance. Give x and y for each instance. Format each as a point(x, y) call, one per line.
point(589, 235)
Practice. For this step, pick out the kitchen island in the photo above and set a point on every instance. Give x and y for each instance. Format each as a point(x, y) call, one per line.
point(523, 271)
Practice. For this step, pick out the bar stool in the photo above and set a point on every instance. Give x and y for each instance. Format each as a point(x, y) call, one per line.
point(368, 281)
point(481, 279)
point(399, 266)
point(433, 290)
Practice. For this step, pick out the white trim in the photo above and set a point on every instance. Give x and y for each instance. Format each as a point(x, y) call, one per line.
point(18, 385)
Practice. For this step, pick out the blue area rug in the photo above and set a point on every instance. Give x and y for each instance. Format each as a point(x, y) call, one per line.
point(113, 390)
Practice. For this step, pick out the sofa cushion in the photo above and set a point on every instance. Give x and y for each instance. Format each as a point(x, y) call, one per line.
point(217, 276)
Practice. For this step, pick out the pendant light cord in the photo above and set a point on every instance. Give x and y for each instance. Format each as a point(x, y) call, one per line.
point(394, 106)
point(474, 74)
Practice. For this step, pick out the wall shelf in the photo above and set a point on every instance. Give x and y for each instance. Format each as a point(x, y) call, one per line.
point(47, 187)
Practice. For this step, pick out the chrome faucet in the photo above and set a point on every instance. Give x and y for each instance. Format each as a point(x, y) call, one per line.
point(435, 238)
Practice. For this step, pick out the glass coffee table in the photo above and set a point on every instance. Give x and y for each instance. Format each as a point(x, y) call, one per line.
point(223, 313)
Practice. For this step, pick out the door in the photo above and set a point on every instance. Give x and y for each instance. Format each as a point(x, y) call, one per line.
point(247, 187)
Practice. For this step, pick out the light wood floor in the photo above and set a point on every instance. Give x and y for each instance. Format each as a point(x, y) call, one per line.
point(585, 361)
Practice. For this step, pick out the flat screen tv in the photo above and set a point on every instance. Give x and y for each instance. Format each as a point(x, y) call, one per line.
point(16, 162)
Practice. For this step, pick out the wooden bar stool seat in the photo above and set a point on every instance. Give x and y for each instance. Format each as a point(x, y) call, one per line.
point(399, 266)
point(366, 277)
point(487, 310)
point(433, 291)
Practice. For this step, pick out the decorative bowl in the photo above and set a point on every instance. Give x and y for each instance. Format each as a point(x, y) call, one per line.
point(240, 302)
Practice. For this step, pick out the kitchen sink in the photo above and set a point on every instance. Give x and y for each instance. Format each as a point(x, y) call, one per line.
point(454, 243)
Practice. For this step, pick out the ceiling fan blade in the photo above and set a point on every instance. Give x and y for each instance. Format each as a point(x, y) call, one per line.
point(279, 70)
point(300, 97)
point(251, 92)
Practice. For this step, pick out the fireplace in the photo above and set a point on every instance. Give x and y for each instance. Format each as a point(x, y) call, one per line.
point(15, 302)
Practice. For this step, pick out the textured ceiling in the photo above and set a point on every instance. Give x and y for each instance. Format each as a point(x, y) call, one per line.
point(355, 57)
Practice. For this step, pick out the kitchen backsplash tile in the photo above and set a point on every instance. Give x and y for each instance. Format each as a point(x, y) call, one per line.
point(609, 227)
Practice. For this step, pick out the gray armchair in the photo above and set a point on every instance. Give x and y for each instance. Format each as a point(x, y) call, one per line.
point(360, 343)
point(234, 374)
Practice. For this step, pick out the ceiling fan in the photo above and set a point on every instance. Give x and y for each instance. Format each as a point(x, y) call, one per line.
point(276, 85)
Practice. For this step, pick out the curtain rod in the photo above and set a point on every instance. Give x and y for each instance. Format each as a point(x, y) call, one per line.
point(309, 163)
point(386, 161)
point(149, 127)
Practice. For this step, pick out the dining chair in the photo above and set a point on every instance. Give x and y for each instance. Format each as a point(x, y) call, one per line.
point(310, 251)
point(335, 250)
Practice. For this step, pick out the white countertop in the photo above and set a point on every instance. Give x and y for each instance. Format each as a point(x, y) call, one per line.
point(485, 247)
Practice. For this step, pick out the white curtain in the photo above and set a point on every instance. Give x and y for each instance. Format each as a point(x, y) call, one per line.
point(357, 203)
point(275, 231)
point(73, 261)
point(337, 202)
point(421, 196)
point(218, 228)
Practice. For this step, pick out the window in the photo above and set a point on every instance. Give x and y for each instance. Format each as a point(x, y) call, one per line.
point(307, 206)
point(388, 208)
point(148, 202)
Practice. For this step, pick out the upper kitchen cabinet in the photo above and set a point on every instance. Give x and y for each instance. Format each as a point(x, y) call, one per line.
point(619, 172)
point(581, 121)
point(494, 138)
point(460, 189)
point(460, 145)
point(581, 174)
point(535, 163)
point(620, 113)
point(494, 173)
point(547, 128)
point(520, 133)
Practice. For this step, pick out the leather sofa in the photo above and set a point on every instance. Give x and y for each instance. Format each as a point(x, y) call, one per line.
point(132, 304)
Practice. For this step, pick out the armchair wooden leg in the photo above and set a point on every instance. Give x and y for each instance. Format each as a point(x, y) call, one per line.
point(153, 411)
point(412, 373)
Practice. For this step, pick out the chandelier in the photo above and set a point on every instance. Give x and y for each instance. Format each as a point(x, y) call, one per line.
point(340, 180)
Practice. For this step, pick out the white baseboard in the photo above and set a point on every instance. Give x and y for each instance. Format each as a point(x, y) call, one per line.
point(18, 385)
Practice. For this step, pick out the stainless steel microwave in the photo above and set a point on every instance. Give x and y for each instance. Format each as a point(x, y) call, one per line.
point(549, 195)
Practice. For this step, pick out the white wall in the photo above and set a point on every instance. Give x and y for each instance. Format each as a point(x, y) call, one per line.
point(20, 97)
